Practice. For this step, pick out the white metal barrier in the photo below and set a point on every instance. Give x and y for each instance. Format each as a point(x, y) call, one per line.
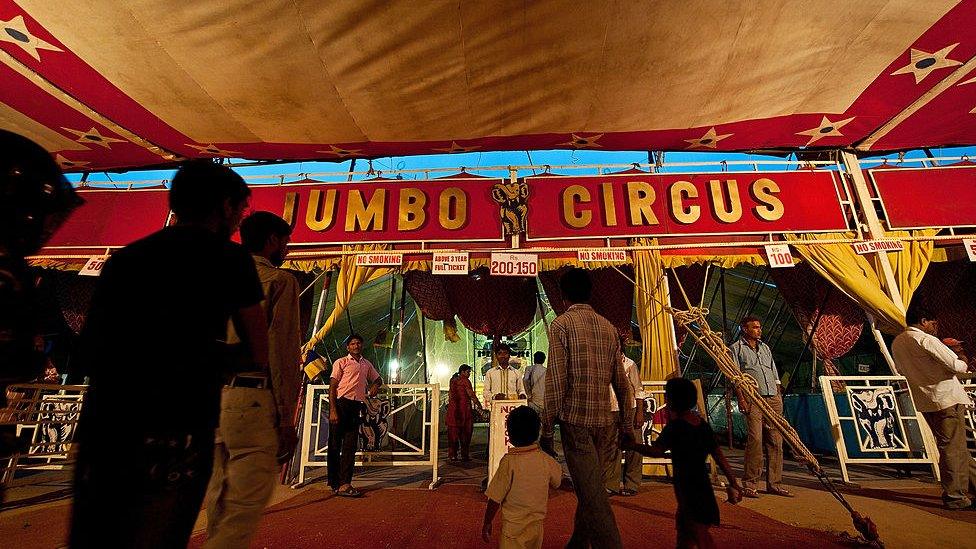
point(385, 442)
point(883, 421)
point(47, 417)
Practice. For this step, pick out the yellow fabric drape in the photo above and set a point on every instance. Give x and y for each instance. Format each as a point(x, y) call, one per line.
point(351, 277)
point(658, 359)
point(861, 277)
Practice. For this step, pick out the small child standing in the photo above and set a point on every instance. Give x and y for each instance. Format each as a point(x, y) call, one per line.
point(691, 440)
point(520, 487)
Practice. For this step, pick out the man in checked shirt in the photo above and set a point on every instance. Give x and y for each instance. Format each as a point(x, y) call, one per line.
point(584, 366)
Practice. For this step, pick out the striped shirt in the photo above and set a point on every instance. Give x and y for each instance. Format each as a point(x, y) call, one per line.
point(584, 361)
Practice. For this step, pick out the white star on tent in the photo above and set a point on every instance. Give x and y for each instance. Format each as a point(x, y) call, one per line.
point(455, 148)
point(578, 142)
point(825, 129)
point(15, 31)
point(923, 63)
point(213, 149)
point(709, 140)
point(970, 81)
point(340, 152)
point(93, 137)
point(65, 163)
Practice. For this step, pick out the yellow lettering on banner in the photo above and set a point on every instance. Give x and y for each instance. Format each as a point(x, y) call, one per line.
point(609, 206)
point(453, 209)
point(640, 198)
point(680, 191)
point(770, 207)
point(291, 208)
point(321, 213)
point(573, 195)
point(412, 203)
point(726, 211)
point(360, 217)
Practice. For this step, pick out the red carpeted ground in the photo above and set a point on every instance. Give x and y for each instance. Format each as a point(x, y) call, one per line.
point(451, 517)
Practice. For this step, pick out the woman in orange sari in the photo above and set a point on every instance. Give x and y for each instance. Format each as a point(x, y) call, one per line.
point(460, 420)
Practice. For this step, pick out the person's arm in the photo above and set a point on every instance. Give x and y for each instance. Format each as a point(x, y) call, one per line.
point(469, 390)
point(555, 474)
point(487, 390)
point(252, 327)
point(555, 385)
point(375, 383)
point(744, 405)
point(497, 489)
point(944, 355)
point(284, 359)
point(732, 489)
point(337, 373)
point(490, 511)
point(621, 388)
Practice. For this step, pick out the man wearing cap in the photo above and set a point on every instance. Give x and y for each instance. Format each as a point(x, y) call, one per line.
point(502, 381)
point(352, 378)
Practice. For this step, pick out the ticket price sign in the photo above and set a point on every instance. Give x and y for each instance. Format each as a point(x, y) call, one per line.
point(779, 256)
point(503, 264)
point(498, 441)
point(93, 267)
point(970, 245)
point(449, 263)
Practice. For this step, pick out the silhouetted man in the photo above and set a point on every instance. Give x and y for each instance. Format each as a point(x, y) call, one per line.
point(153, 346)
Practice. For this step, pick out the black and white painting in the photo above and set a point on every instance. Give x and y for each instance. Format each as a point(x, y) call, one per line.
point(648, 431)
point(375, 425)
point(876, 419)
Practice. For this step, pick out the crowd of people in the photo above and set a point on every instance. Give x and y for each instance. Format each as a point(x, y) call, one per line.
point(215, 327)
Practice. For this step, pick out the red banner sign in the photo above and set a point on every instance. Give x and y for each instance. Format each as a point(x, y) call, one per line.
point(441, 210)
point(113, 218)
point(948, 195)
point(634, 205)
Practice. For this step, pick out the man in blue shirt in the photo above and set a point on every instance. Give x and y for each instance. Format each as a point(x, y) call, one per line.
point(756, 359)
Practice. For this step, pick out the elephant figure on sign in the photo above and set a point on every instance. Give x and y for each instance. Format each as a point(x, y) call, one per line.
point(513, 198)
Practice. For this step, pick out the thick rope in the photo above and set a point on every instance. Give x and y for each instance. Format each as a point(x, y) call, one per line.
point(694, 320)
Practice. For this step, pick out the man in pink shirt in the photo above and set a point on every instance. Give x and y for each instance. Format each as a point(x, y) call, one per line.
point(352, 376)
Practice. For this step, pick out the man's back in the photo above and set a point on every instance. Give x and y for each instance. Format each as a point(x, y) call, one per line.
point(160, 310)
point(584, 358)
point(930, 368)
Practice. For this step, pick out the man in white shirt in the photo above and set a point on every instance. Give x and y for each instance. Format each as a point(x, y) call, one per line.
point(632, 460)
point(931, 369)
point(502, 381)
point(534, 381)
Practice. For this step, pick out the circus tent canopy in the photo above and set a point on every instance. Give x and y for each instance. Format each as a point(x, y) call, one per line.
point(108, 84)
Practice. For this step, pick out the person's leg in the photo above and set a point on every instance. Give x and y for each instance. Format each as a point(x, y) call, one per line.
point(350, 440)
point(453, 437)
point(594, 523)
point(948, 427)
point(466, 432)
point(684, 531)
point(754, 456)
point(610, 456)
point(633, 463)
point(215, 491)
point(251, 442)
point(703, 538)
point(773, 445)
point(332, 455)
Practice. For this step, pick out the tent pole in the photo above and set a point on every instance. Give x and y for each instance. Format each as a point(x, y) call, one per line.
point(403, 303)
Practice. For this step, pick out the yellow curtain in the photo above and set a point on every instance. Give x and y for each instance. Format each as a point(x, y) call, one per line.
point(658, 359)
point(861, 277)
point(351, 277)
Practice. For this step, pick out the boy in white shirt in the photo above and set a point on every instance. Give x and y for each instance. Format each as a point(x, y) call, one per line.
point(520, 487)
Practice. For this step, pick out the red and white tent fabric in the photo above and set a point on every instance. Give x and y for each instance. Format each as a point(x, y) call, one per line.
point(108, 84)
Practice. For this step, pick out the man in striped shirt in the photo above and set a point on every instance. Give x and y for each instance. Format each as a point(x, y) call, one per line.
point(584, 366)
